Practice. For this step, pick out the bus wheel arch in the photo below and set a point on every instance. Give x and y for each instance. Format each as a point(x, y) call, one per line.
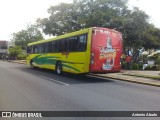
point(59, 68)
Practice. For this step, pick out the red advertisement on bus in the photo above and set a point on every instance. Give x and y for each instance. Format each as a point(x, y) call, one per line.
point(106, 50)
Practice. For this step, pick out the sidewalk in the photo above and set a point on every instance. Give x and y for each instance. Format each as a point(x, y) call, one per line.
point(141, 77)
point(18, 61)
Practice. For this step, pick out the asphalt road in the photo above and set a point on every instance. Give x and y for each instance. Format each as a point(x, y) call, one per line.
point(25, 89)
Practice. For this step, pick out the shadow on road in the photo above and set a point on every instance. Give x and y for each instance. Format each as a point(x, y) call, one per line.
point(66, 77)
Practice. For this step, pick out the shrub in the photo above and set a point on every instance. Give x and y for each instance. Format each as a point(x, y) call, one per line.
point(153, 67)
point(140, 66)
point(22, 56)
point(158, 60)
point(158, 67)
point(123, 64)
point(148, 68)
point(135, 66)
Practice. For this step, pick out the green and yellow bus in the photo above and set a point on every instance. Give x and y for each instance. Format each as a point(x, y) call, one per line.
point(91, 50)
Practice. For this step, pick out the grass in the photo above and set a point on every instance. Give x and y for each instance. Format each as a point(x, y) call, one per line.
point(144, 76)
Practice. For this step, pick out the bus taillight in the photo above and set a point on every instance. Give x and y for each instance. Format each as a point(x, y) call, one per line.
point(92, 58)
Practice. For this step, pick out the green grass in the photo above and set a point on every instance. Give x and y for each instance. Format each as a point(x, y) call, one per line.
point(144, 76)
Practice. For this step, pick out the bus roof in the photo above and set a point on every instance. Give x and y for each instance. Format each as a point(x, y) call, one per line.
point(86, 30)
point(61, 36)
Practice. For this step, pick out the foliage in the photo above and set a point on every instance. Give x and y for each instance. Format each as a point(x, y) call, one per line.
point(158, 60)
point(23, 37)
point(22, 56)
point(140, 66)
point(135, 66)
point(14, 52)
point(148, 68)
point(134, 26)
point(151, 67)
point(151, 37)
point(114, 14)
point(83, 14)
point(123, 65)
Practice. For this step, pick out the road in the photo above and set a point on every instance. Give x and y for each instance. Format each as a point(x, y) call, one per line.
point(25, 89)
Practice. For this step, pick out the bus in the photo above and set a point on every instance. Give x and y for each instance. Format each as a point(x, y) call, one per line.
point(90, 50)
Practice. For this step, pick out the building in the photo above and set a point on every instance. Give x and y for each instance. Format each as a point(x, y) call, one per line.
point(4, 45)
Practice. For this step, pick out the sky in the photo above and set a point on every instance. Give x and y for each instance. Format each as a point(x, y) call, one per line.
point(151, 7)
point(16, 14)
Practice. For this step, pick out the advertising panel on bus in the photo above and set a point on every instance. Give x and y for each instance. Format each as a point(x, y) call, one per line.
point(106, 50)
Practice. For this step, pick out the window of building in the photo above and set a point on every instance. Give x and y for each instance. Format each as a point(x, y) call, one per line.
point(3, 47)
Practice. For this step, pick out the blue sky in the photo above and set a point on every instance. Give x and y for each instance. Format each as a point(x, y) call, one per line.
point(15, 14)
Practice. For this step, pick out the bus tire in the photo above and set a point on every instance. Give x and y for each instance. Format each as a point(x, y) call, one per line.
point(59, 68)
point(31, 64)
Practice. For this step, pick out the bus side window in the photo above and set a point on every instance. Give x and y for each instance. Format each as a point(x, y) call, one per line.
point(28, 50)
point(82, 42)
point(38, 51)
point(50, 47)
point(55, 46)
point(63, 45)
point(66, 45)
point(35, 49)
point(40, 48)
point(31, 49)
point(45, 47)
point(73, 43)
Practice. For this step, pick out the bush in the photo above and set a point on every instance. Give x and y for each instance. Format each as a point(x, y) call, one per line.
point(135, 66)
point(153, 67)
point(22, 56)
point(158, 67)
point(140, 66)
point(158, 60)
point(148, 68)
point(14, 52)
point(123, 65)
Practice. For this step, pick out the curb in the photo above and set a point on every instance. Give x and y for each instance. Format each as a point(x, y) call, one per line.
point(129, 80)
point(143, 76)
point(16, 62)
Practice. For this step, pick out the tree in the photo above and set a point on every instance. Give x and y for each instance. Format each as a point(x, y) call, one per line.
point(158, 61)
point(23, 37)
point(151, 37)
point(14, 52)
point(83, 14)
point(133, 23)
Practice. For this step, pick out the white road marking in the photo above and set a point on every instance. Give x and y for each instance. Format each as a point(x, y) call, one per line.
point(54, 80)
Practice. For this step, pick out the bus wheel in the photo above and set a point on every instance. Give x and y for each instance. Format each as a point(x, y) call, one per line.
point(31, 64)
point(59, 68)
